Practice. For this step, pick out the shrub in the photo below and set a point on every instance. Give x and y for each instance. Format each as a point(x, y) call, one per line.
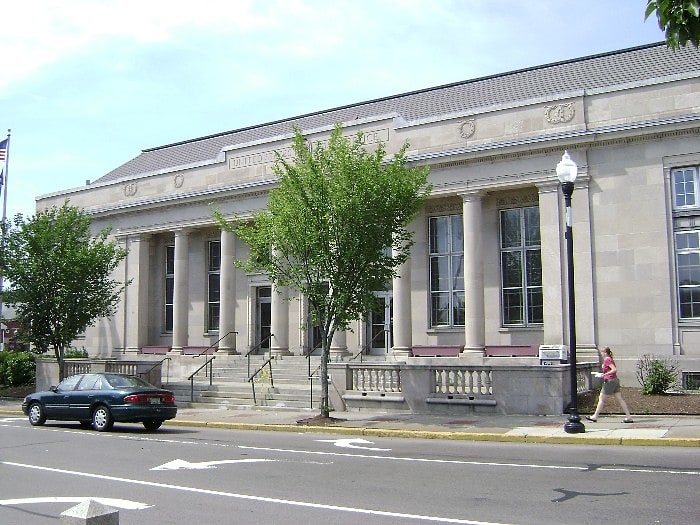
point(17, 368)
point(73, 353)
point(657, 374)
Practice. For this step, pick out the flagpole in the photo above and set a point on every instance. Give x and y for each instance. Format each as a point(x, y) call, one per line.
point(4, 196)
point(3, 188)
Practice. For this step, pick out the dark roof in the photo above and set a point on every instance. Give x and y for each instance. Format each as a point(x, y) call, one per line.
point(593, 72)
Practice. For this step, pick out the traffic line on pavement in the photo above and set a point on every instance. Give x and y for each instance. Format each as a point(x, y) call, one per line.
point(110, 502)
point(248, 497)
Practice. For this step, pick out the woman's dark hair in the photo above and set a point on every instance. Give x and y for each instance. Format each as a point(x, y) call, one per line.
point(608, 351)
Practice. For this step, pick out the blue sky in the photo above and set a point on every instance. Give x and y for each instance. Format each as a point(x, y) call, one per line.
point(85, 85)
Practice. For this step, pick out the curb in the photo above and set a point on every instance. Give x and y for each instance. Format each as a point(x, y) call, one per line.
point(428, 434)
point(446, 435)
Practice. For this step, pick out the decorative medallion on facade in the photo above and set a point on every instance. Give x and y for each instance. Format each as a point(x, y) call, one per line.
point(179, 180)
point(467, 128)
point(130, 189)
point(559, 113)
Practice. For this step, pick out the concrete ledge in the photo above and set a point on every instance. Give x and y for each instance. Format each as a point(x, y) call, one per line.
point(155, 349)
point(511, 351)
point(384, 397)
point(436, 350)
point(458, 400)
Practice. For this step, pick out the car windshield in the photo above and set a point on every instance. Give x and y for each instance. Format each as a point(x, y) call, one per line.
point(118, 381)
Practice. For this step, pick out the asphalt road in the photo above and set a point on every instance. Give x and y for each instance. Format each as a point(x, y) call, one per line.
point(208, 476)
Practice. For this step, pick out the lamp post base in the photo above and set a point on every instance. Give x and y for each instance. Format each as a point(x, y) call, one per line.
point(573, 425)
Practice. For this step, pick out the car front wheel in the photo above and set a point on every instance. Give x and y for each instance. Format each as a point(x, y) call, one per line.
point(102, 419)
point(36, 415)
point(152, 424)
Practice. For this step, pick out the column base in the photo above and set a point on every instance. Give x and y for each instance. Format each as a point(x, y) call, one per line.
point(473, 351)
point(401, 352)
point(278, 352)
point(337, 354)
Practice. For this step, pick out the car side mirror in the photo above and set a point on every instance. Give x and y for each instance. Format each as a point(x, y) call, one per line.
point(54, 388)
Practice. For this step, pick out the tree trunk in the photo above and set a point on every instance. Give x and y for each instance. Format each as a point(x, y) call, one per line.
point(325, 404)
point(61, 363)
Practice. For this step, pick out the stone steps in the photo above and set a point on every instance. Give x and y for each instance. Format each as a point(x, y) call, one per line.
point(230, 387)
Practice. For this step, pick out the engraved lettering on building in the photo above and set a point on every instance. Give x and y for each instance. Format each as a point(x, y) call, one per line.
point(269, 156)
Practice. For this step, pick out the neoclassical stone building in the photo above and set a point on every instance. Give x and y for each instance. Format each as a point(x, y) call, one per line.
point(489, 264)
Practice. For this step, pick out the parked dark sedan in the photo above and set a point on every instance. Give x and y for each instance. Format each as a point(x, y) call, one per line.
point(100, 400)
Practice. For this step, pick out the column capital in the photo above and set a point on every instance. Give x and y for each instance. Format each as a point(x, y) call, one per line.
point(471, 195)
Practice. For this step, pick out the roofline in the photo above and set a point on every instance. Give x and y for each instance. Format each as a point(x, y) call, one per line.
point(408, 93)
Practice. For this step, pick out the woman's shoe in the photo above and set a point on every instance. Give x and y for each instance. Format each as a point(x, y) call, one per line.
point(589, 418)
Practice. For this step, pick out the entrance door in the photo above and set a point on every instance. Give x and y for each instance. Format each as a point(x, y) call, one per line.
point(263, 317)
point(314, 339)
point(380, 326)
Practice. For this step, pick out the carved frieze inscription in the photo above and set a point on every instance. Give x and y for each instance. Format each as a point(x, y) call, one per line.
point(269, 156)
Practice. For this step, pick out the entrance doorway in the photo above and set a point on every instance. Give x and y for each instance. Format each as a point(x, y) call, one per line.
point(263, 317)
point(380, 326)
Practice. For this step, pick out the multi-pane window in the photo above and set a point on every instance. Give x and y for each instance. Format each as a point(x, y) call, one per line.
point(521, 267)
point(685, 187)
point(169, 286)
point(214, 285)
point(446, 270)
point(688, 268)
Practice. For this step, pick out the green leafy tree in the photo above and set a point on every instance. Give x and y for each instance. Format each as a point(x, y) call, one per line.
point(59, 276)
point(679, 19)
point(329, 226)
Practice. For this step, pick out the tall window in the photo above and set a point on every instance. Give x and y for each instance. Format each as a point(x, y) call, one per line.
point(521, 267)
point(169, 286)
point(685, 184)
point(446, 271)
point(685, 187)
point(214, 285)
point(688, 268)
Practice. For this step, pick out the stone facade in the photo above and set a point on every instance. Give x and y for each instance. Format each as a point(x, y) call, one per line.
point(628, 120)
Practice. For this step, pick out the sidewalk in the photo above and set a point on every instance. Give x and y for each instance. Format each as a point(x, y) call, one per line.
point(647, 430)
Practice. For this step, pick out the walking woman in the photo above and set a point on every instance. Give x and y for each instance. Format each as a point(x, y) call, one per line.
point(611, 386)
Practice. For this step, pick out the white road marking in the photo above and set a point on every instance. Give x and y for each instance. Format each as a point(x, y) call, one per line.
point(353, 443)
point(248, 497)
point(477, 463)
point(182, 464)
point(110, 502)
point(11, 419)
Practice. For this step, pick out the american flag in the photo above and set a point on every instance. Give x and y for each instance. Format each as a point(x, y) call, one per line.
point(3, 149)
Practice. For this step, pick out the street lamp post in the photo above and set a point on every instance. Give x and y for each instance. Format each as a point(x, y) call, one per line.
point(567, 172)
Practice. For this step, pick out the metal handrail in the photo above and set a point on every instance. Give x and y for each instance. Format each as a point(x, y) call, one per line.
point(311, 383)
point(255, 348)
point(367, 346)
point(215, 343)
point(251, 379)
point(211, 375)
point(308, 354)
point(167, 375)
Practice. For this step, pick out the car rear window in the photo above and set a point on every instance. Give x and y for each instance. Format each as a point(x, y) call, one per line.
point(117, 381)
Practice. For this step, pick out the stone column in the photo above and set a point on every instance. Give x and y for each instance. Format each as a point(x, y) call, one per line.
point(280, 322)
point(181, 294)
point(339, 345)
point(403, 321)
point(474, 331)
point(553, 263)
point(136, 295)
point(227, 304)
point(583, 265)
